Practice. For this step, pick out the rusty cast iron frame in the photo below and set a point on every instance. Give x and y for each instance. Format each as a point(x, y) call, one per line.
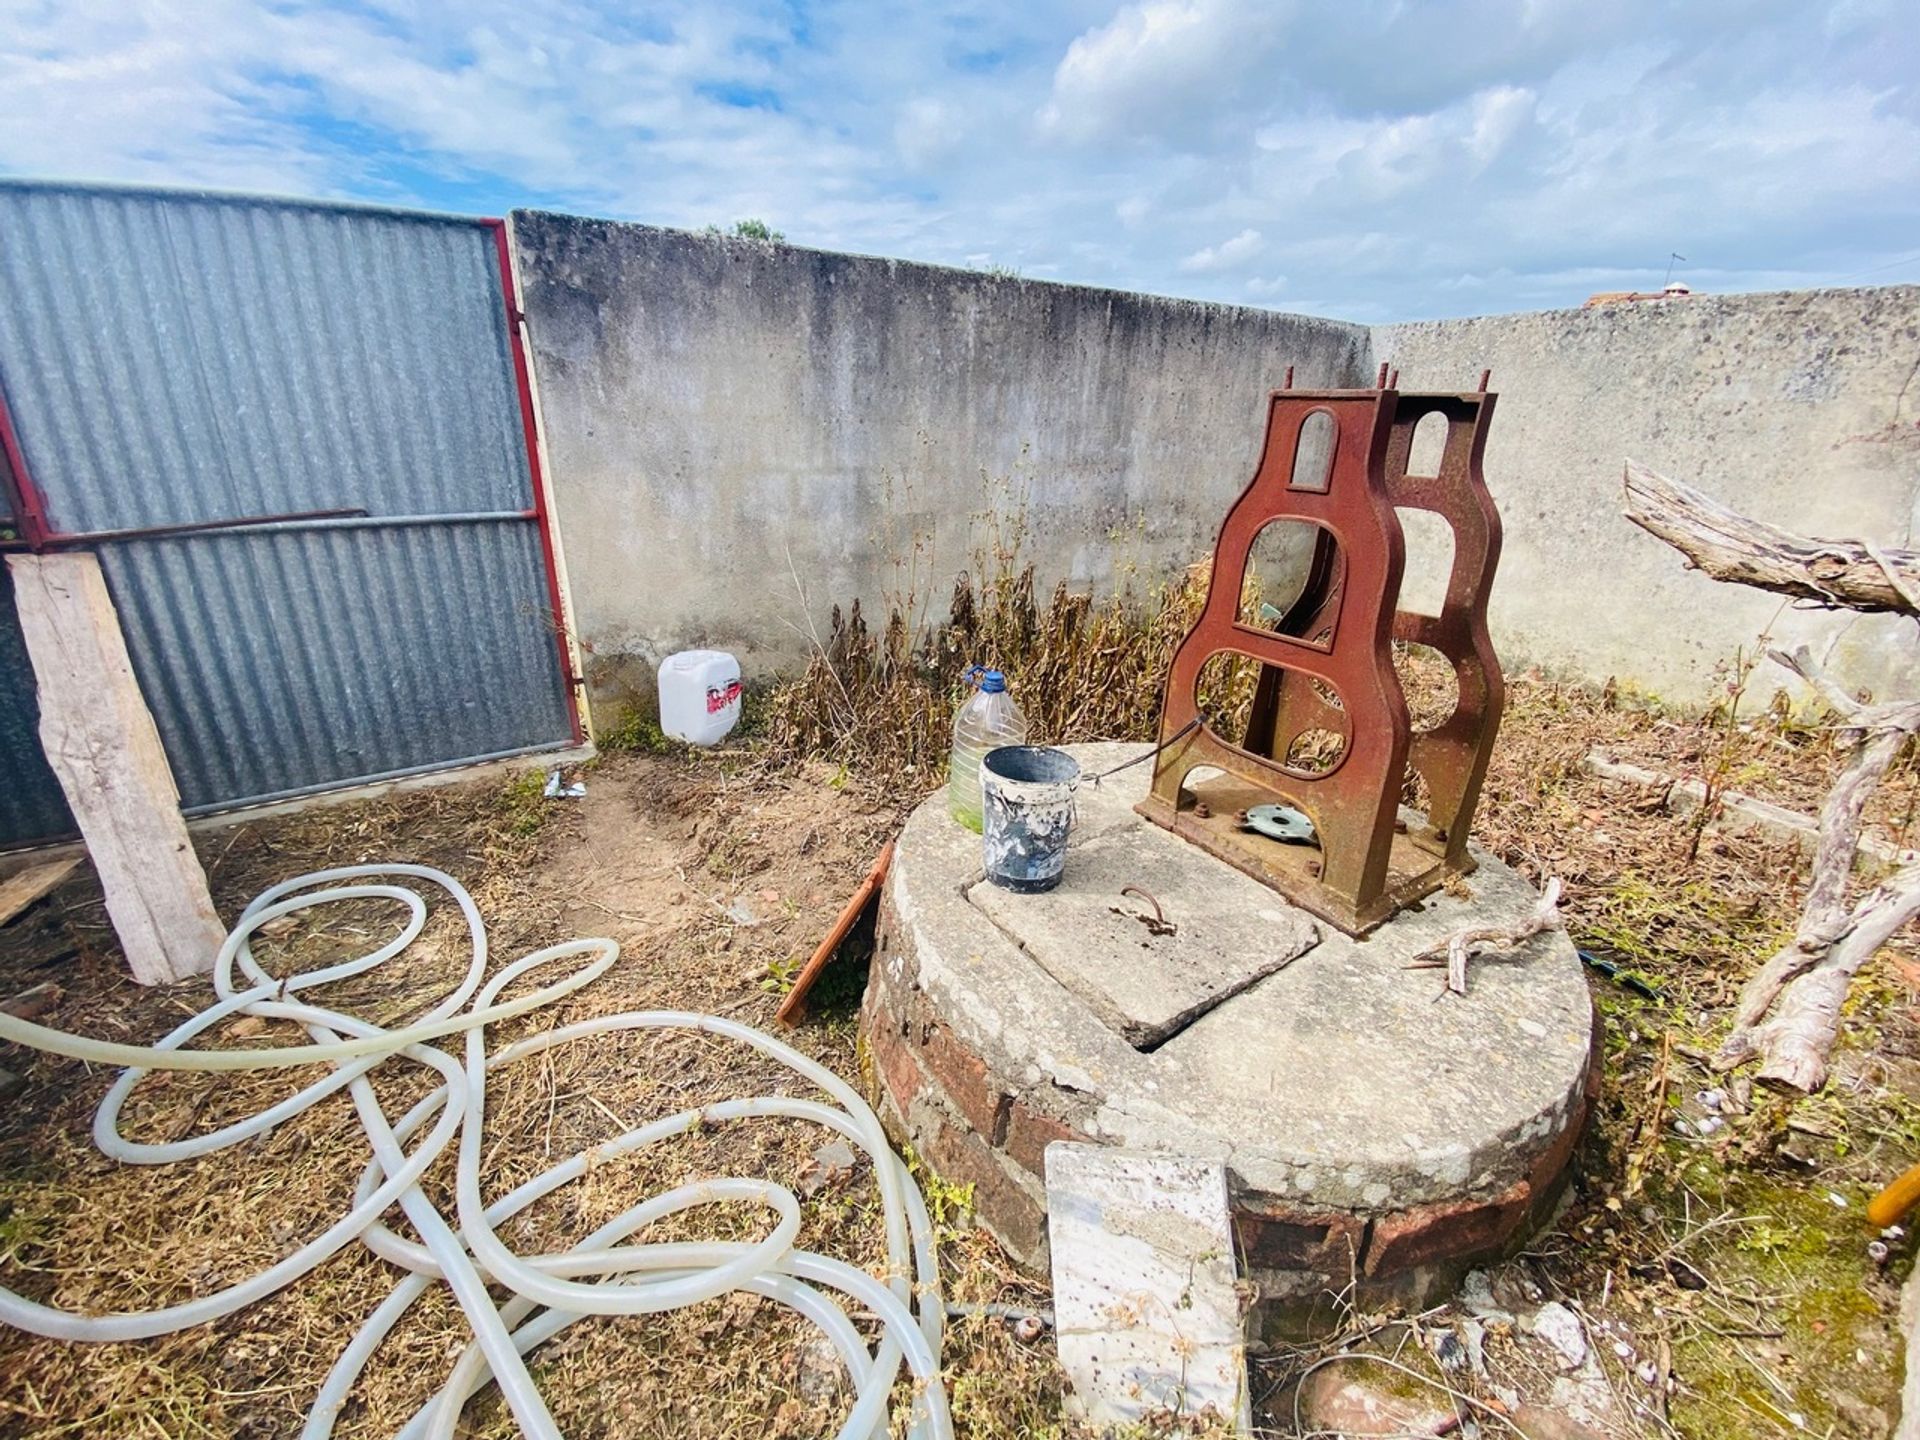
point(1328, 663)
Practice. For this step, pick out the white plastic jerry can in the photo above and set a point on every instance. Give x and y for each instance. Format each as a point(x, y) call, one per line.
point(699, 696)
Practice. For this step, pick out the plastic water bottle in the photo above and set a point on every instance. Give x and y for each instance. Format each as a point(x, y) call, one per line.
point(987, 721)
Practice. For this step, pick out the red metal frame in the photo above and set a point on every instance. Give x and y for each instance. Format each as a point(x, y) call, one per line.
point(23, 495)
point(530, 430)
point(1367, 864)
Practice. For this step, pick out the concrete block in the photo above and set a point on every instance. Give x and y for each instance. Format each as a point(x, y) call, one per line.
point(1229, 932)
point(1144, 1298)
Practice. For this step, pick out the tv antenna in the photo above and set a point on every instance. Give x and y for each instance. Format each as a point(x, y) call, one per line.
point(1672, 255)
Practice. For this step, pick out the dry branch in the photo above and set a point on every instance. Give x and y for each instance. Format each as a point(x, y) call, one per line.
point(1460, 946)
point(1877, 736)
point(1805, 983)
point(1835, 574)
point(1794, 1044)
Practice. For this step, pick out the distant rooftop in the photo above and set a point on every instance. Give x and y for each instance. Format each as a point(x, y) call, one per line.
point(1675, 290)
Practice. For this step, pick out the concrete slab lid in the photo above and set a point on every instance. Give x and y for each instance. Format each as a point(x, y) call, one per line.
point(1344, 1080)
point(1229, 931)
point(1146, 1309)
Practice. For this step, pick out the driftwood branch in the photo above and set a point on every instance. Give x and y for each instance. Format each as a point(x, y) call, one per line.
point(1789, 1011)
point(1457, 948)
point(1795, 1043)
point(1825, 917)
point(1835, 574)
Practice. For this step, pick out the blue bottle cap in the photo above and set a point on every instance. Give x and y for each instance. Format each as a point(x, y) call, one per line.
point(993, 682)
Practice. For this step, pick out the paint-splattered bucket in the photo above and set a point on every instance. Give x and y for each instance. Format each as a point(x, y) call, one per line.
point(1027, 803)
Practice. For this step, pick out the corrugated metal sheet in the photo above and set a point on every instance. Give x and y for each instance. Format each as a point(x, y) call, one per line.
point(338, 652)
point(172, 359)
point(31, 805)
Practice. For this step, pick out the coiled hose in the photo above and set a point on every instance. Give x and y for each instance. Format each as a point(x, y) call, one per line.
point(602, 1274)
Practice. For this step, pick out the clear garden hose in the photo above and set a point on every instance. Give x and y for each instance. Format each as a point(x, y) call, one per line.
point(605, 1273)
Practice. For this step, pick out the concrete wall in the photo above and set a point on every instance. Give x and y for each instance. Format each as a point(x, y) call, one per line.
point(1799, 408)
point(740, 435)
point(724, 416)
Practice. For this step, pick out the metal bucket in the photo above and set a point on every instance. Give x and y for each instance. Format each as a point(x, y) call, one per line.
point(1027, 804)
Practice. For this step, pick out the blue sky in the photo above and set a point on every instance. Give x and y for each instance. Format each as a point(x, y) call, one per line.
point(1374, 159)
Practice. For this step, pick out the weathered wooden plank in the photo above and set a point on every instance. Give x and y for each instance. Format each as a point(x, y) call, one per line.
point(1835, 574)
point(19, 891)
point(100, 740)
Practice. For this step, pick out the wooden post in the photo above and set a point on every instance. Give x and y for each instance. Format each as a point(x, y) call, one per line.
point(100, 740)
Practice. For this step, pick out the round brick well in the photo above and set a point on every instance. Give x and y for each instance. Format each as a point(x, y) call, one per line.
point(1377, 1136)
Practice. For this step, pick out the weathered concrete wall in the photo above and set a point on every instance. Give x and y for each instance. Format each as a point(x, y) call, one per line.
point(741, 435)
point(1799, 408)
point(729, 424)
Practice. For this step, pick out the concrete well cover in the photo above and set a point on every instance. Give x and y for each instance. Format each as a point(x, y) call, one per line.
point(1229, 931)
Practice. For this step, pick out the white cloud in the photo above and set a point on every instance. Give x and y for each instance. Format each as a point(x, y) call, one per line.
point(928, 133)
point(1156, 64)
point(1388, 160)
point(1227, 255)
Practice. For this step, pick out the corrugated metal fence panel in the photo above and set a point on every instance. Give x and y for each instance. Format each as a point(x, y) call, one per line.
point(337, 653)
point(31, 805)
point(170, 360)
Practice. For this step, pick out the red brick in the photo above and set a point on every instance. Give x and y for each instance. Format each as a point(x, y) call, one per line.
point(894, 1064)
point(1325, 1243)
point(1454, 1230)
point(961, 1157)
point(1029, 1132)
point(963, 1076)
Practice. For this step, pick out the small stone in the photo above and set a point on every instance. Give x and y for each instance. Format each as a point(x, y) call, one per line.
point(1353, 1398)
point(1868, 1420)
point(278, 926)
point(770, 897)
point(246, 1027)
point(1448, 1352)
point(831, 1163)
point(1473, 1335)
point(1560, 1328)
point(1028, 1328)
point(1476, 1293)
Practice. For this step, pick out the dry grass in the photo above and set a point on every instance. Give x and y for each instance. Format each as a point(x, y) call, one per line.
point(664, 844)
point(652, 857)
